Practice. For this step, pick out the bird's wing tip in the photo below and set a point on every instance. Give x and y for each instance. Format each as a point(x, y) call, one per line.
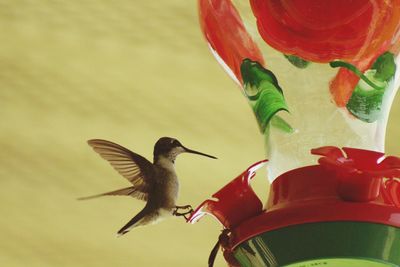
point(85, 198)
point(93, 141)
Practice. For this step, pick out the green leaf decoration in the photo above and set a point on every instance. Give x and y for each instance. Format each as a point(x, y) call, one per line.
point(269, 103)
point(385, 67)
point(297, 61)
point(253, 74)
point(366, 100)
point(281, 124)
point(335, 64)
point(264, 93)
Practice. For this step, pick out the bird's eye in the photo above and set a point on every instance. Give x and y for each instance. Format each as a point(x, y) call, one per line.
point(175, 143)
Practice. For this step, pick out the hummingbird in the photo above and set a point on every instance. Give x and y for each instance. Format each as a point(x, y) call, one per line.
point(156, 183)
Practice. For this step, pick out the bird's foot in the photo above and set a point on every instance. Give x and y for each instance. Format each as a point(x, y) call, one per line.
point(184, 207)
point(184, 214)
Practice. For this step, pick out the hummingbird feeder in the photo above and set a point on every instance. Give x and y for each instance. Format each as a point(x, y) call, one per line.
point(320, 77)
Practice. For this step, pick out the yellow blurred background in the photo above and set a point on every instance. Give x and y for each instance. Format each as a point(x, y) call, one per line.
point(126, 71)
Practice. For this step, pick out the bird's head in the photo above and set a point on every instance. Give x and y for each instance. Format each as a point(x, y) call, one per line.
point(171, 148)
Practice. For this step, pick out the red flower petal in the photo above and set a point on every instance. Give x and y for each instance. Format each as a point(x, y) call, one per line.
point(331, 152)
point(233, 197)
point(393, 189)
point(342, 86)
point(339, 29)
point(363, 159)
point(225, 32)
point(390, 162)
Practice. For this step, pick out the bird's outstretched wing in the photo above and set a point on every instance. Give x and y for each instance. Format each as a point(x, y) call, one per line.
point(137, 169)
point(129, 191)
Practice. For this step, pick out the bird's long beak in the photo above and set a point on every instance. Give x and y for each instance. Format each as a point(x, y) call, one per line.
point(187, 150)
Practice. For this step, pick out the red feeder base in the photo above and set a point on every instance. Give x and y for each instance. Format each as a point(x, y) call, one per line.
point(343, 212)
point(307, 223)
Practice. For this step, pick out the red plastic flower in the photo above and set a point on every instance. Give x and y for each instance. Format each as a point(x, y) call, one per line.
point(359, 172)
point(233, 203)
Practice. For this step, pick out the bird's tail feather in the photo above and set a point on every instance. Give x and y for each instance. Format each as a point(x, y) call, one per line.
point(120, 192)
point(135, 221)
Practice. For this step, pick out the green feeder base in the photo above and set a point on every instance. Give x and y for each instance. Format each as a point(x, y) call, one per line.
point(334, 244)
